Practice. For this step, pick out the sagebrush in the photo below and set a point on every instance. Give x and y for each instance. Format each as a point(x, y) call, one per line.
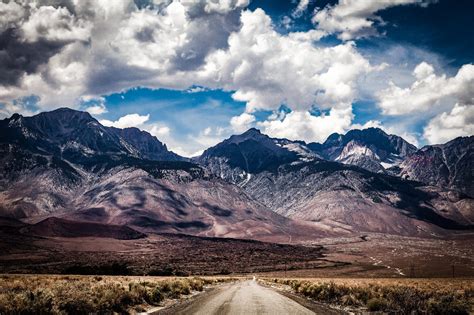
point(85, 295)
point(391, 296)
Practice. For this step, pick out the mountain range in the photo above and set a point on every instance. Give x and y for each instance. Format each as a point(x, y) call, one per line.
point(63, 168)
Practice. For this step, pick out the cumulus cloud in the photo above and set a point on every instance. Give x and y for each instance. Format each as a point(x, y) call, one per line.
point(157, 45)
point(206, 138)
point(10, 14)
point(352, 19)
point(30, 34)
point(428, 91)
point(242, 122)
point(130, 120)
point(97, 109)
point(49, 47)
point(267, 69)
point(88, 49)
point(449, 125)
point(159, 131)
point(302, 125)
point(222, 7)
point(54, 24)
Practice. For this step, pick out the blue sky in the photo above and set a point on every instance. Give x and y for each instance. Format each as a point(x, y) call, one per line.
point(193, 73)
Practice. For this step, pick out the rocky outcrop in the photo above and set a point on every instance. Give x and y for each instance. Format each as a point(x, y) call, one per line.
point(449, 165)
point(370, 148)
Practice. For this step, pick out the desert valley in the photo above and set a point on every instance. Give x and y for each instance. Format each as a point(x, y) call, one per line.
point(236, 157)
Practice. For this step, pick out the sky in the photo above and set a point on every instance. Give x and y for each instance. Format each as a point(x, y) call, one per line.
point(194, 72)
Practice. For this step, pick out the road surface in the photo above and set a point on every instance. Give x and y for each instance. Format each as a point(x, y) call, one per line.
point(244, 297)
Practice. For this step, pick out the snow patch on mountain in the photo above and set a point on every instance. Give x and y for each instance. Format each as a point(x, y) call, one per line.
point(246, 180)
point(304, 152)
point(354, 149)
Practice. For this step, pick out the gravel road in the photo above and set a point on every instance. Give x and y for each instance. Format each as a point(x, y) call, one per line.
point(245, 297)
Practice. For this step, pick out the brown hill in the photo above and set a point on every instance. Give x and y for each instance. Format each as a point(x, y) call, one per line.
point(57, 227)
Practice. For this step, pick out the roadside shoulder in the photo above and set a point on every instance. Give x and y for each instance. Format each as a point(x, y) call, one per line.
point(318, 308)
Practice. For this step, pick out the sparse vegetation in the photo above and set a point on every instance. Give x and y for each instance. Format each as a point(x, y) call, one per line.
point(92, 294)
point(395, 296)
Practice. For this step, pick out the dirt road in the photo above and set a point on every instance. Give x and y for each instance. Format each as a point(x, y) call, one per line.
point(247, 297)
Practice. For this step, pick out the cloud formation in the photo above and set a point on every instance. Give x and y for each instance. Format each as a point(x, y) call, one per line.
point(449, 125)
point(56, 53)
point(242, 122)
point(130, 120)
point(353, 19)
point(62, 51)
point(302, 125)
point(291, 70)
point(428, 91)
point(300, 8)
point(159, 48)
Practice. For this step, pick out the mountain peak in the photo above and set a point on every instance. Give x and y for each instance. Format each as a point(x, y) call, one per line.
point(251, 151)
point(251, 134)
point(252, 131)
point(16, 116)
point(66, 111)
point(78, 137)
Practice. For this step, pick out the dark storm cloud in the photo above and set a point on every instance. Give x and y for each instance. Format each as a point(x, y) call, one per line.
point(209, 32)
point(145, 34)
point(100, 77)
point(143, 4)
point(18, 57)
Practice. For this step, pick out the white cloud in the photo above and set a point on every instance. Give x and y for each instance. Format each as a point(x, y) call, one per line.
point(286, 22)
point(159, 131)
point(97, 109)
point(428, 91)
point(222, 6)
point(242, 122)
point(447, 126)
point(410, 137)
point(180, 45)
point(206, 138)
point(368, 124)
point(352, 19)
point(112, 46)
point(55, 24)
point(130, 120)
point(300, 8)
point(161, 44)
point(196, 89)
point(267, 69)
point(423, 71)
point(10, 15)
point(301, 125)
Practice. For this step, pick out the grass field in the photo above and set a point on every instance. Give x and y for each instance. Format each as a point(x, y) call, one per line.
point(48, 294)
point(394, 296)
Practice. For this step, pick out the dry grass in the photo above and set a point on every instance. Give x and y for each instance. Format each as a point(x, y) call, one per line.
point(24, 294)
point(399, 296)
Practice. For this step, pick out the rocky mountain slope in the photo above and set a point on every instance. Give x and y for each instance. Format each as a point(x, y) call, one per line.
point(77, 136)
point(65, 164)
point(237, 158)
point(370, 148)
point(308, 187)
point(449, 165)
